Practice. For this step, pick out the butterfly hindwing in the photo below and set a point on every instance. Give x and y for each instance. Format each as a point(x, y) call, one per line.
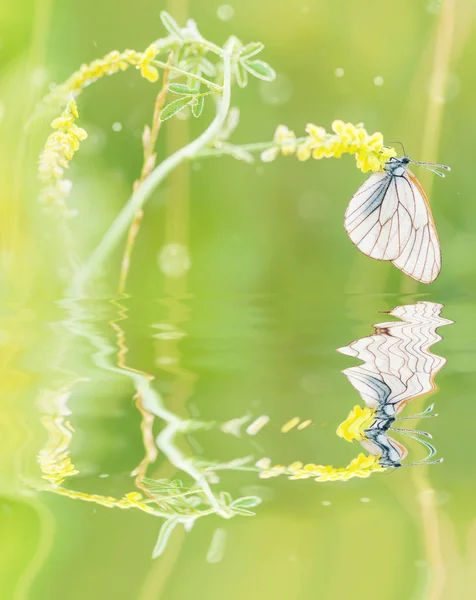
point(421, 256)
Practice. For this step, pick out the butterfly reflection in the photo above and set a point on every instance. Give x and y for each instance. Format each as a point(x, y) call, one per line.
point(397, 367)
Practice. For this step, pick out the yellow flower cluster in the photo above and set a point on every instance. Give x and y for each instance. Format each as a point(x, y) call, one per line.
point(130, 500)
point(63, 143)
point(353, 428)
point(285, 142)
point(56, 467)
point(56, 156)
point(369, 150)
point(146, 69)
point(362, 466)
point(112, 63)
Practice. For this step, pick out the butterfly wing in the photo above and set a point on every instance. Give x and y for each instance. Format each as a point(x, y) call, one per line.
point(378, 219)
point(421, 255)
point(391, 452)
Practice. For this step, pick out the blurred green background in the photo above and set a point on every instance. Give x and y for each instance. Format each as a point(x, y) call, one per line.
point(274, 288)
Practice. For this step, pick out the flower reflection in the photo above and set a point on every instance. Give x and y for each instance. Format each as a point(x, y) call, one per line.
point(397, 368)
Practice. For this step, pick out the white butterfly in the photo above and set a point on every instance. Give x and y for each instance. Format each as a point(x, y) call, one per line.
point(389, 218)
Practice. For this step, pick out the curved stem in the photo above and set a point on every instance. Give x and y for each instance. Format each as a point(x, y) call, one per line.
point(220, 147)
point(212, 47)
point(141, 195)
point(163, 65)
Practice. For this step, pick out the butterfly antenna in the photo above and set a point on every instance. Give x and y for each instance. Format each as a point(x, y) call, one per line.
point(423, 415)
point(414, 431)
point(433, 167)
point(422, 462)
point(418, 416)
point(431, 449)
point(400, 144)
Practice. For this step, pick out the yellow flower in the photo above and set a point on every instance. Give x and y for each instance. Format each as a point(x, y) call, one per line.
point(285, 139)
point(88, 73)
point(318, 134)
point(148, 71)
point(285, 142)
point(269, 154)
point(56, 156)
point(296, 465)
point(353, 428)
point(56, 467)
point(346, 138)
point(133, 496)
point(362, 466)
point(64, 142)
point(303, 152)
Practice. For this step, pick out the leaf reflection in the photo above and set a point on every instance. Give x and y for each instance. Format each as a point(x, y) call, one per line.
point(169, 499)
point(397, 366)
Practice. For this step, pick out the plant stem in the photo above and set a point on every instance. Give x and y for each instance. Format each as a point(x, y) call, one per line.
point(256, 147)
point(162, 65)
point(212, 47)
point(149, 163)
point(139, 197)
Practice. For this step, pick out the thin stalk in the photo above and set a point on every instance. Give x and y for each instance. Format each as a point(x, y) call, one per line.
point(172, 42)
point(431, 526)
point(435, 108)
point(138, 198)
point(438, 85)
point(162, 65)
point(149, 142)
point(256, 147)
point(36, 60)
point(147, 421)
point(213, 48)
point(166, 499)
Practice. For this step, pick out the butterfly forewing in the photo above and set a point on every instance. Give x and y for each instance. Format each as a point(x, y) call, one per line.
point(379, 216)
point(421, 256)
point(389, 218)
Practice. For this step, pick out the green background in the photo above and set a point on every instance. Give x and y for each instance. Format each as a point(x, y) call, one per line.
point(274, 288)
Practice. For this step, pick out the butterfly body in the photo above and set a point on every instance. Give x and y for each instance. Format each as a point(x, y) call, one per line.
point(397, 166)
point(389, 218)
point(379, 443)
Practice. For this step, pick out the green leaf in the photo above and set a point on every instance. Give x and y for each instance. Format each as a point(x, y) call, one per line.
point(241, 75)
point(259, 69)
point(174, 107)
point(192, 83)
point(246, 502)
point(171, 24)
point(225, 498)
point(164, 485)
point(207, 67)
point(164, 535)
point(243, 512)
point(181, 88)
point(197, 108)
point(251, 50)
point(232, 44)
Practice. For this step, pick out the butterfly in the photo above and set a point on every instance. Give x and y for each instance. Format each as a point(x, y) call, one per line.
point(397, 367)
point(389, 218)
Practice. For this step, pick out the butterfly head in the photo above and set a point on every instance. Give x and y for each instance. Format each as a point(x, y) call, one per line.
point(397, 166)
